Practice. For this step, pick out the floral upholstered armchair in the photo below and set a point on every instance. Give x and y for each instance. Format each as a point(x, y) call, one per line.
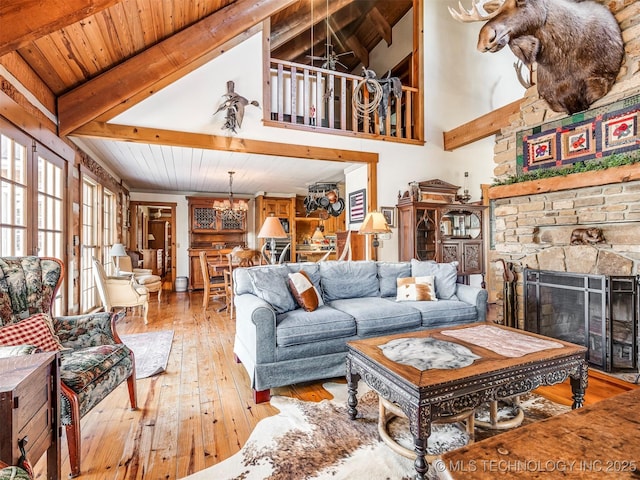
point(93, 359)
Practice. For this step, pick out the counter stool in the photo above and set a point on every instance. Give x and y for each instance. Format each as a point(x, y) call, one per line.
point(389, 410)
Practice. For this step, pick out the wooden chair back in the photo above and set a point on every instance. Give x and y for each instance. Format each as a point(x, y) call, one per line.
point(214, 286)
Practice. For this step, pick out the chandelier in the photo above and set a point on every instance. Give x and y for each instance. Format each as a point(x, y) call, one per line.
point(230, 210)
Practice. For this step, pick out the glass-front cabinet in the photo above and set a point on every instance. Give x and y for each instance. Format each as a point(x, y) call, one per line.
point(442, 232)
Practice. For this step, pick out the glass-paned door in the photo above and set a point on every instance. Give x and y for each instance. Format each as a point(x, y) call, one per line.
point(89, 244)
point(50, 209)
point(51, 218)
point(32, 200)
point(108, 229)
point(13, 199)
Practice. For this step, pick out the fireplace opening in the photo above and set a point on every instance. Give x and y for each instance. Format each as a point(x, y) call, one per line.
point(597, 311)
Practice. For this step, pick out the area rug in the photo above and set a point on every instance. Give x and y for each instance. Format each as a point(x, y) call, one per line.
point(151, 351)
point(309, 440)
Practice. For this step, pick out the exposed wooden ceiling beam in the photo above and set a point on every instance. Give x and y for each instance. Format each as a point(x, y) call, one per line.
point(299, 23)
point(351, 42)
point(24, 21)
point(117, 85)
point(128, 133)
point(381, 24)
point(481, 127)
point(299, 46)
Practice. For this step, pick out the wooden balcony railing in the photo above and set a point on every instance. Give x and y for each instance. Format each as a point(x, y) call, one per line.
point(310, 98)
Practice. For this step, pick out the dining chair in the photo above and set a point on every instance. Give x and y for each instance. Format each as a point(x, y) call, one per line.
point(214, 286)
point(240, 257)
point(228, 291)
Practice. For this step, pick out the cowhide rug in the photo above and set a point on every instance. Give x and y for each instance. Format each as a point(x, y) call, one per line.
point(309, 440)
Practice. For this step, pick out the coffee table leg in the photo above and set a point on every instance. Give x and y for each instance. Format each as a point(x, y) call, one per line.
point(352, 386)
point(420, 427)
point(421, 465)
point(579, 384)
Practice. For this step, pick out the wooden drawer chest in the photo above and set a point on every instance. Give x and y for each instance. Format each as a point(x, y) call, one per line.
point(29, 407)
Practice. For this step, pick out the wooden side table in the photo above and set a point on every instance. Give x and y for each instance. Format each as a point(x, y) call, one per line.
point(29, 407)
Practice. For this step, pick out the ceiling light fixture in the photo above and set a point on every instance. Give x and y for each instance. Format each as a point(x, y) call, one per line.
point(230, 210)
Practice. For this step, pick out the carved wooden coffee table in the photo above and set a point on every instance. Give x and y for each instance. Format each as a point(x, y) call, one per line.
point(436, 373)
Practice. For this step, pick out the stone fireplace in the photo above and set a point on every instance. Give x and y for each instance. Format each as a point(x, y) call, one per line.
point(531, 222)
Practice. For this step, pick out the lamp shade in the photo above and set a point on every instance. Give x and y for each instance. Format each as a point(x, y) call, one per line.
point(117, 250)
point(374, 223)
point(272, 228)
point(317, 235)
point(151, 237)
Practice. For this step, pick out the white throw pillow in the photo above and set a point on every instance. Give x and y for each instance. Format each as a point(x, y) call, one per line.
point(416, 289)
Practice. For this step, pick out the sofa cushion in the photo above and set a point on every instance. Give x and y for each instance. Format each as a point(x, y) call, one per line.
point(375, 315)
point(446, 275)
point(35, 330)
point(388, 274)
point(416, 289)
point(303, 290)
point(312, 269)
point(301, 327)
point(445, 312)
point(349, 280)
point(271, 284)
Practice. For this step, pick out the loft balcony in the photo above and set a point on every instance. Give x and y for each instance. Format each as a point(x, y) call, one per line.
point(309, 98)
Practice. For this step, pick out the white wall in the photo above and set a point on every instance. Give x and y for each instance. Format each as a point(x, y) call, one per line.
point(460, 84)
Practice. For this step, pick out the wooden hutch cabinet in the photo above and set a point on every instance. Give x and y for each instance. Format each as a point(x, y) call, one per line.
point(443, 232)
point(210, 232)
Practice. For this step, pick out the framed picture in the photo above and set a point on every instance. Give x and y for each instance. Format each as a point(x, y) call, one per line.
point(389, 214)
point(357, 206)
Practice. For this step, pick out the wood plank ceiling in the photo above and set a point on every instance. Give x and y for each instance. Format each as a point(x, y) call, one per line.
point(74, 42)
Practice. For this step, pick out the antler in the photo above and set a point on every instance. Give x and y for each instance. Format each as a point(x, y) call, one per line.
point(481, 10)
point(519, 67)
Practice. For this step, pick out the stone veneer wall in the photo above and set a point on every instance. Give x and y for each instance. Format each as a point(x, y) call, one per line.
point(535, 230)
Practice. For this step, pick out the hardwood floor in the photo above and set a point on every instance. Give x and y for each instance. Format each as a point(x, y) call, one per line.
point(200, 411)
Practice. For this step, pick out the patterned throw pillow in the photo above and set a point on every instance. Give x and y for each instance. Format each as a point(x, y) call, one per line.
point(304, 291)
point(35, 330)
point(416, 289)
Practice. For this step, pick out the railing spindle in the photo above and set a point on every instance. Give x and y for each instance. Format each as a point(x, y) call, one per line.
point(318, 85)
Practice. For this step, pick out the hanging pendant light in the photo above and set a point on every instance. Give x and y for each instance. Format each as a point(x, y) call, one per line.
point(231, 210)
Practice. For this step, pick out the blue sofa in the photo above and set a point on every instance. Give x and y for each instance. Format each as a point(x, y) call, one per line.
point(281, 344)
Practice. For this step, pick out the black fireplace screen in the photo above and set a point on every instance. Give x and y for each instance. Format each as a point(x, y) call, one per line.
point(597, 311)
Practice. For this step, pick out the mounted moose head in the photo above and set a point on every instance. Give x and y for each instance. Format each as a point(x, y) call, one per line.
point(576, 44)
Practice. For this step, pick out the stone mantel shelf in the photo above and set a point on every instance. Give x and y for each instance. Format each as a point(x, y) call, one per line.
point(622, 174)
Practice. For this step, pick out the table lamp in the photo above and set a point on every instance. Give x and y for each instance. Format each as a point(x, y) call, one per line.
point(117, 251)
point(272, 228)
point(373, 224)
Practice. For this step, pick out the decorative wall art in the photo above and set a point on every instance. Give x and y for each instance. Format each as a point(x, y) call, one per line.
point(585, 136)
point(389, 214)
point(357, 206)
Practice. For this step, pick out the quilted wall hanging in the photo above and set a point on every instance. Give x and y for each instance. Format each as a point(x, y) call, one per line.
point(585, 136)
